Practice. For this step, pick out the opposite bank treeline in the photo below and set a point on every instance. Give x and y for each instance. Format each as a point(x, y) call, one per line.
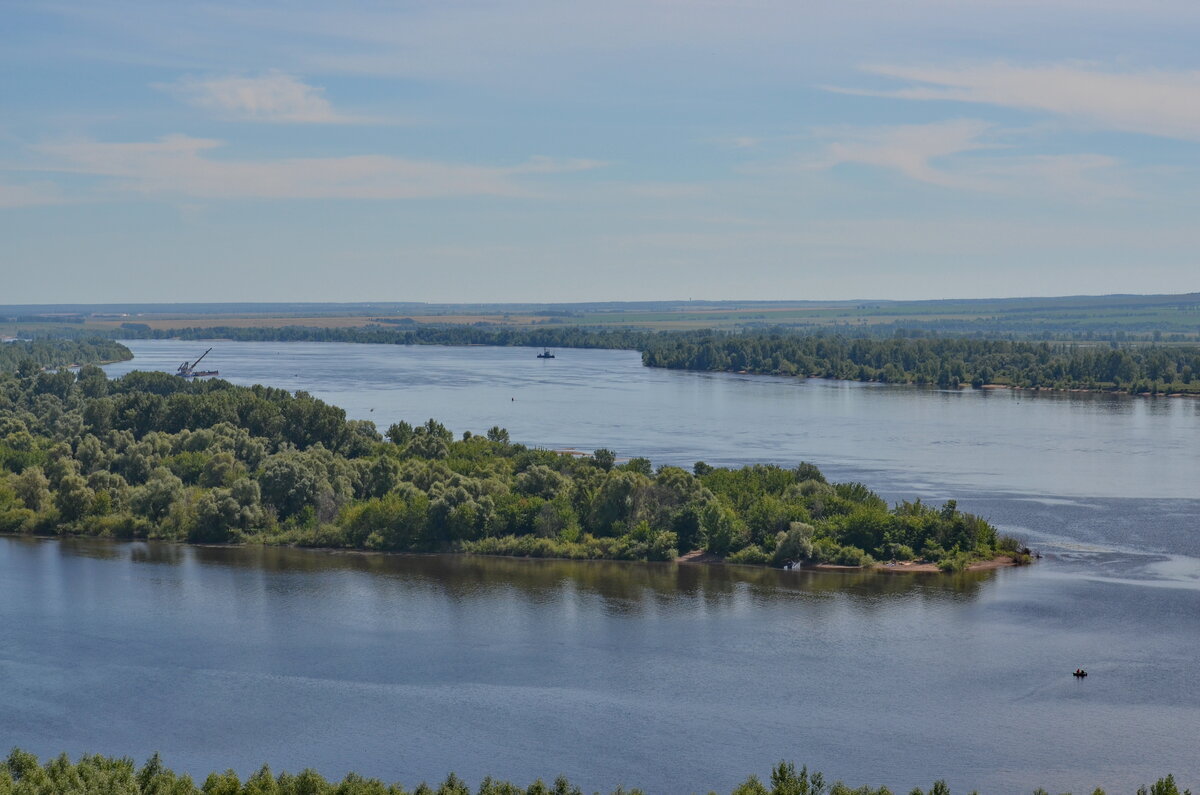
point(21, 774)
point(152, 455)
point(944, 362)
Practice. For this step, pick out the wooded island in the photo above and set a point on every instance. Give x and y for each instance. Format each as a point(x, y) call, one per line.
point(153, 455)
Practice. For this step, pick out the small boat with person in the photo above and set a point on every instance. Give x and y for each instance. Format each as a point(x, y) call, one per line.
point(1079, 673)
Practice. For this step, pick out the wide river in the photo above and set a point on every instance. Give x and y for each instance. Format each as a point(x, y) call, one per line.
point(673, 678)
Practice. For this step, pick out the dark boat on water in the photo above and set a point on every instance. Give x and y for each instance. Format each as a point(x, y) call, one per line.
point(188, 369)
point(546, 354)
point(1079, 673)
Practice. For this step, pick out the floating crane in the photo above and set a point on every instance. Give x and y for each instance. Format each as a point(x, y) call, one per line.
point(188, 369)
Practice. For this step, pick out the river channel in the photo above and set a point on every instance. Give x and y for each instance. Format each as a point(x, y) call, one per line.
point(670, 677)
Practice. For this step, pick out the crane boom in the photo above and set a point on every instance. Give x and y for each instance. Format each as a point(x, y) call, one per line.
point(188, 369)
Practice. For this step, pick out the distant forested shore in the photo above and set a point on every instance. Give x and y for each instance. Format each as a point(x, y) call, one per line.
point(22, 773)
point(939, 361)
point(396, 333)
point(29, 356)
point(946, 362)
point(152, 455)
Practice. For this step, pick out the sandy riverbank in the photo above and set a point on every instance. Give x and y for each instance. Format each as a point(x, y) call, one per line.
point(906, 566)
point(998, 562)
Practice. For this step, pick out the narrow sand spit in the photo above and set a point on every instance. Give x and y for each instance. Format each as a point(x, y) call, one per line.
point(906, 566)
point(998, 562)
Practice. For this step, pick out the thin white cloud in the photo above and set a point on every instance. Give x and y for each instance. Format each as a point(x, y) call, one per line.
point(911, 149)
point(1153, 102)
point(182, 165)
point(968, 154)
point(270, 97)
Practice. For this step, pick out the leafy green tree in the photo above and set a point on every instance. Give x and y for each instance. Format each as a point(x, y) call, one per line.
point(154, 499)
point(97, 414)
point(381, 476)
point(73, 498)
point(640, 465)
point(722, 530)
point(806, 471)
point(614, 502)
point(399, 433)
point(604, 458)
point(541, 481)
point(431, 440)
point(794, 545)
point(1164, 786)
point(33, 488)
point(751, 786)
point(290, 482)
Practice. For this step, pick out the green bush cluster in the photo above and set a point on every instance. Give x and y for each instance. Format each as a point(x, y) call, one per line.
point(151, 455)
point(29, 356)
point(22, 774)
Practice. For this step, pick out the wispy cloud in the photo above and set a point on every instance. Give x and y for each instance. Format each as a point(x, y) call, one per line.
point(182, 165)
point(911, 149)
point(968, 154)
point(1153, 102)
point(273, 96)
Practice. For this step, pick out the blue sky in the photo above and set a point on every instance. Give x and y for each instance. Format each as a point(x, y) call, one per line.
point(530, 150)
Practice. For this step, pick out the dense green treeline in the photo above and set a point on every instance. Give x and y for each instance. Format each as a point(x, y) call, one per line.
point(554, 337)
point(22, 774)
point(152, 455)
point(29, 356)
point(946, 362)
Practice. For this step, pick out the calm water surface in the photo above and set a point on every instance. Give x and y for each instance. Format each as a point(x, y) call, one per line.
point(670, 677)
point(1083, 445)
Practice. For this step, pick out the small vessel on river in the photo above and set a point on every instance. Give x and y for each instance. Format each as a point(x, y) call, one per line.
point(546, 354)
point(188, 369)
